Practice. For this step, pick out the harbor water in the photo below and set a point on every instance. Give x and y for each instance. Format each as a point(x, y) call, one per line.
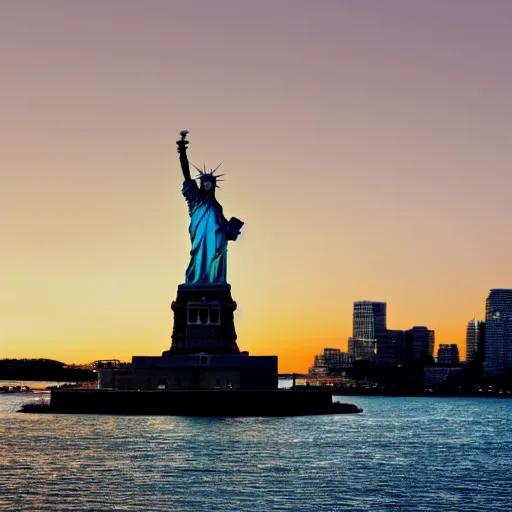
point(401, 454)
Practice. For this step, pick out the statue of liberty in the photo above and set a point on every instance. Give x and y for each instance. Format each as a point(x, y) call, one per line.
point(209, 230)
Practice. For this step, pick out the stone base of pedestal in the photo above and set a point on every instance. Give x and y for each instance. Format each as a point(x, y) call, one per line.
point(193, 372)
point(202, 371)
point(203, 320)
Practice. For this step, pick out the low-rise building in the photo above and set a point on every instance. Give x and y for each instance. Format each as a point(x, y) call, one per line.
point(448, 354)
point(332, 362)
point(436, 375)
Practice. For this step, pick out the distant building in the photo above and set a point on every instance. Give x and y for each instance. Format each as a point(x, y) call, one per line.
point(371, 340)
point(362, 350)
point(498, 331)
point(331, 362)
point(337, 359)
point(448, 354)
point(369, 321)
point(391, 348)
point(475, 341)
point(435, 375)
point(419, 343)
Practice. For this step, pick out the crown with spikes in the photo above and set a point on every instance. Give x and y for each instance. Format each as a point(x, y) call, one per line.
point(209, 175)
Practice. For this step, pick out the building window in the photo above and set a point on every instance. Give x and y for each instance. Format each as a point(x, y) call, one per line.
point(203, 315)
point(193, 317)
point(218, 383)
point(214, 316)
point(162, 384)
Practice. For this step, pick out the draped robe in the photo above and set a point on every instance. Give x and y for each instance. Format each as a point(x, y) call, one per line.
point(208, 256)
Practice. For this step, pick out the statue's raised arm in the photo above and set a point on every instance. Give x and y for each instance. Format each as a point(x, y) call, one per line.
point(182, 150)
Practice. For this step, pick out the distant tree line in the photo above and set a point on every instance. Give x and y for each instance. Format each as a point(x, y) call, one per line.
point(42, 369)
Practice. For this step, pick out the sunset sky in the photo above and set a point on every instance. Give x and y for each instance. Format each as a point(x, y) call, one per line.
point(366, 145)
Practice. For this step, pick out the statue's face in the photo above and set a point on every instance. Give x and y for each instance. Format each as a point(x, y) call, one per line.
point(207, 185)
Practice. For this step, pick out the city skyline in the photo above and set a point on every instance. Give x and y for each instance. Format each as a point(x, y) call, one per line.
point(376, 137)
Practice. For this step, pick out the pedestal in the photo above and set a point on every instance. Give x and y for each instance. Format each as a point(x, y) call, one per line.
point(203, 320)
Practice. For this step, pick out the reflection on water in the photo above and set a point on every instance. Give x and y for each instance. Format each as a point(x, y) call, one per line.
point(33, 384)
point(402, 454)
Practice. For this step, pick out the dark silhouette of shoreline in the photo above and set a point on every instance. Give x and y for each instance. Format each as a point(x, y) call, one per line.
point(368, 379)
point(44, 370)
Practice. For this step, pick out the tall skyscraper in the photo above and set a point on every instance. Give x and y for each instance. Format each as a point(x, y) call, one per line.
point(498, 331)
point(369, 321)
point(475, 341)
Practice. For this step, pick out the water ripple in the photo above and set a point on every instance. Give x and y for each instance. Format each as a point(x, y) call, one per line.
point(402, 454)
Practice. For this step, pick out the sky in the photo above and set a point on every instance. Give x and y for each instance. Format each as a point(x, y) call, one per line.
point(366, 146)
